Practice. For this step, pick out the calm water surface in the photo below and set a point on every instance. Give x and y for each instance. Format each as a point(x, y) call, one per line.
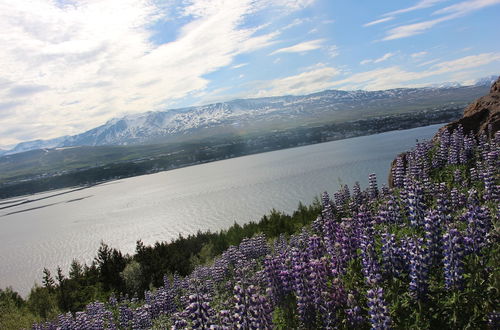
point(54, 228)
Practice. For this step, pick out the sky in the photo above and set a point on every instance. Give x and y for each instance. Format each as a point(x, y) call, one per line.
point(68, 66)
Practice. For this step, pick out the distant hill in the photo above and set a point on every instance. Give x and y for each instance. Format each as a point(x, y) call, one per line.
point(262, 114)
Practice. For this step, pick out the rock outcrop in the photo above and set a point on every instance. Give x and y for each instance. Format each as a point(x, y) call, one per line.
point(482, 113)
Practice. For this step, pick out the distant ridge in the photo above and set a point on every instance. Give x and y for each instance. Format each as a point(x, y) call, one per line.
point(151, 127)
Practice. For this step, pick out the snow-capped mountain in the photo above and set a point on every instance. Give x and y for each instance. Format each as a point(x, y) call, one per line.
point(37, 144)
point(326, 105)
point(486, 81)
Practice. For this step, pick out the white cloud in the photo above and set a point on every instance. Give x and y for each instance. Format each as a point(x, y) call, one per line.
point(378, 21)
point(333, 51)
point(419, 5)
point(418, 54)
point(295, 22)
point(301, 47)
point(466, 7)
point(409, 30)
point(237, 66)
point(466, 62)
point(429, 62)
point(320, 77)
point(294, 4)
point(317, 78)
point(383, 58)
point(70, 68)
point(451, 12)
point(393, 77)
point(391, 15)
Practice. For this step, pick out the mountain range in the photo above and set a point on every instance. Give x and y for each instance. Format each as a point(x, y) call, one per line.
point(263, 113)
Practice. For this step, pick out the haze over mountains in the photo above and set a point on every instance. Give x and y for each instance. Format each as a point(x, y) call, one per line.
point(263, 113)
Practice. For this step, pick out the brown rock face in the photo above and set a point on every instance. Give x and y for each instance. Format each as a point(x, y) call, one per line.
point(481, 113)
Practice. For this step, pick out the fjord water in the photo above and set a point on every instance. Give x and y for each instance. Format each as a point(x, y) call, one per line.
point(51, 229)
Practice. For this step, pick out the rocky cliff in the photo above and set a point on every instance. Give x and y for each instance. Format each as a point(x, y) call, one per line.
point(482, 113)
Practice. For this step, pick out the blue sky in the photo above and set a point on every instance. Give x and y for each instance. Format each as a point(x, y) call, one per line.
point(68, 66)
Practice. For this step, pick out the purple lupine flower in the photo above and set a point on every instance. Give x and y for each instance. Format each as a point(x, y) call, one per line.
point(364, 222)
point(377, 309)
point(345, 193)
point(65, 321)
point(393, 210)
point(371, 268)
point(347, 244)
point(327, 211)
point(399, 172)
point(332, 299)
point(432, 227)
point(490, 193)
point(453, 253)
point(142, 318)
point(455, 199)
point(473, 175)
point(179, 321)
point(478, 227)
point(125, 316)
point(224, 319)
point(259, 311)
point(392, 258)
point(416, 206)
point(303, 295)
point(356, 193)
point(317, 225)
point(354, 315)
point(199, 312)
point(251, 309)
point(372, 183)
point(444, 142)
point(442, 204)
point(45, 326)
point(162, 301)
point(419, 267)
point(315, 249)
point(274, 268)
point(317, 279)
point(112, 301)
point(494, 320)
point(254, 247)
point(82, 320)
point(233, 255)
point(330, 233)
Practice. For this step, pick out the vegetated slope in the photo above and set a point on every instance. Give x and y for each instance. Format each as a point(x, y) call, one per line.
point(424, 254)
point(261, 114)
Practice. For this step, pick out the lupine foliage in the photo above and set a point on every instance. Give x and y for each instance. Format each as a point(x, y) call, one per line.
point(424, 254)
